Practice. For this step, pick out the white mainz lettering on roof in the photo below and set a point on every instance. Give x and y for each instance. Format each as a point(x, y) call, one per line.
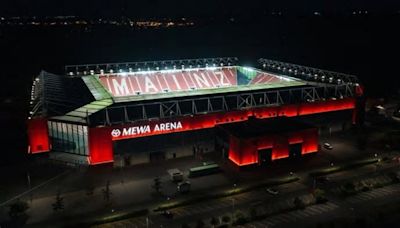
point(222, 79)
point(201, 80)
point(121, 89)
point(149, 85)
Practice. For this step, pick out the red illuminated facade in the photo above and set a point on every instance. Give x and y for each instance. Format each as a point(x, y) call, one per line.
point(38, 136)
point(245, 151)
point(100, 146)
point(101, 138)
point(309, 138)
point(211, 120)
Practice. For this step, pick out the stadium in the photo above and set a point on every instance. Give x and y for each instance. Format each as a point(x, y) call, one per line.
point(141, 112)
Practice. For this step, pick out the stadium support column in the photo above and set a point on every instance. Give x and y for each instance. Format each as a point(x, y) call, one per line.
point(38, 136)
point(310, 141)
point(100, 146)
point(242, 151)
point(280, 147)
point(359, 109)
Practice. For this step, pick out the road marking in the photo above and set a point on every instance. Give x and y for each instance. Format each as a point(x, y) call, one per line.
point(273, 220)
point(386, 191)
point(365, 197)
point(268, 222)
point(316, 211)
point(296, 214)
point(308, 212)
point(324, 208)
point(288, 217)
point(376, 194)
point(333, 205)
point(280, 218)
point(259, 224)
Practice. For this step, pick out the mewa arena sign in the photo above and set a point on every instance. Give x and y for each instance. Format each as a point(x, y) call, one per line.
point(146, 129)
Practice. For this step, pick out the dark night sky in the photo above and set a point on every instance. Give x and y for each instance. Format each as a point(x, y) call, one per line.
point(156, 8)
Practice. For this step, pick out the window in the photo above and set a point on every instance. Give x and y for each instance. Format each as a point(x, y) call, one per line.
point(68, 138)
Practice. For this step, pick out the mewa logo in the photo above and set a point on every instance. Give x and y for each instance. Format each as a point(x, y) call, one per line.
point(115, 133)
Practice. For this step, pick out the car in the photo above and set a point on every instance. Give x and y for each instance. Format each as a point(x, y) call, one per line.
point(183, 187)
point(328, 146)
point(272, 191)
point(322, 179)
point(175, 175)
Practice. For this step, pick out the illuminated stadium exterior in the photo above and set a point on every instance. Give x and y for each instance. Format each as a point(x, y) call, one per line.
point(79, 116)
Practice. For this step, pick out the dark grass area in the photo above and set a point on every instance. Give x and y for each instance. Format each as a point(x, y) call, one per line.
point(339, 168)
point(15, 179)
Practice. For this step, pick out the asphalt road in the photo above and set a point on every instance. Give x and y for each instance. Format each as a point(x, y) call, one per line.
point(335, 207)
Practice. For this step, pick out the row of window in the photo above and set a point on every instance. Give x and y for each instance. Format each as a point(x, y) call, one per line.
point(69, 138)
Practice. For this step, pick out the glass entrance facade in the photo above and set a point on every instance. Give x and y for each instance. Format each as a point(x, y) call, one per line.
point(69, 138)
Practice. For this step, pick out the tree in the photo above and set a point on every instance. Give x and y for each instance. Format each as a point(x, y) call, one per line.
point(89, 190)
point(200, 224)
point(239, 218)
point(349, 188)
point(185, 225)
point(319, 196)
point(157, 185)
point(59, 203)
point(127, 160)
point(253, 212)
point(226, 218)
point(214, 221)
point(298, 203)
point(18, 210)
point(107, 192)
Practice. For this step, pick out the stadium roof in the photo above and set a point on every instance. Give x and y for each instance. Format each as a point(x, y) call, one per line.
point(151, 85)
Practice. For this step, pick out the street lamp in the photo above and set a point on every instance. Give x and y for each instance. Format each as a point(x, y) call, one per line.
point(233, 206)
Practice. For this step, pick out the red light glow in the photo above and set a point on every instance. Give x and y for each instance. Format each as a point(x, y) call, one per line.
point(100, 146)
point(101, 143)
point(38, 136)
point(245, 151)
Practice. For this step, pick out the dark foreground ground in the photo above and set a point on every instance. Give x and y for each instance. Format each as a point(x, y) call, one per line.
point(83, 189)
